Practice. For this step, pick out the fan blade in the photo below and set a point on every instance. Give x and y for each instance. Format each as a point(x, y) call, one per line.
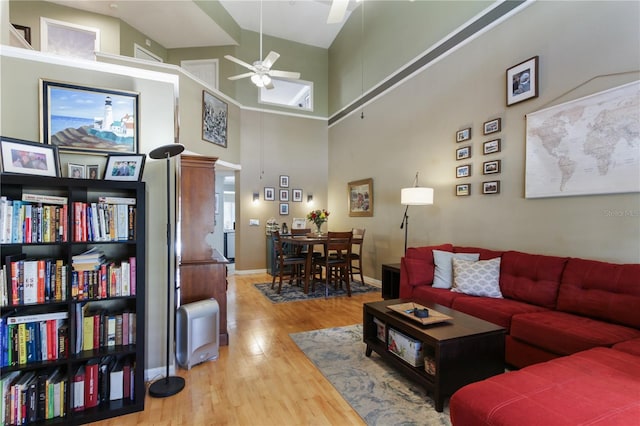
point(271, 58)
point(337, 11)
point(285, 74)
point(239, 76)
point(238, 61)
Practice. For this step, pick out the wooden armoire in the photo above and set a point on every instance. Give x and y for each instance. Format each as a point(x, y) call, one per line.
point(202, 270)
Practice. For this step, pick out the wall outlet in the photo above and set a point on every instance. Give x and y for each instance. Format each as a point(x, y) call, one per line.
point(254, 222)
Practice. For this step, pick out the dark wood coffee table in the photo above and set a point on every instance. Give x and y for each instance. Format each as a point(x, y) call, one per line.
point(462, 350)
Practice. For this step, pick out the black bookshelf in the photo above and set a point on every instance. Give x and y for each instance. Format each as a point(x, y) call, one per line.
point(87, 191)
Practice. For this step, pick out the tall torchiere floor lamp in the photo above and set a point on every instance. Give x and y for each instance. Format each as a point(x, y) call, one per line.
point(170, 385)
point(415, 196)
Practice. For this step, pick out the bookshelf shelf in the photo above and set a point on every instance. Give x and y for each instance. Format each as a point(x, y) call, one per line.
point(78, 333)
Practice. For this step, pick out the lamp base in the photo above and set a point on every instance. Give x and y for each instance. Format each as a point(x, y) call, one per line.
point(166, 387)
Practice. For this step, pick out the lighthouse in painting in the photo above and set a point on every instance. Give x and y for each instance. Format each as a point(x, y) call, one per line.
point(108, 114)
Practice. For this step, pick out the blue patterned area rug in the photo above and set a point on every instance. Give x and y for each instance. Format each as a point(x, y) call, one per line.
point(293, 293)
point(378, 393)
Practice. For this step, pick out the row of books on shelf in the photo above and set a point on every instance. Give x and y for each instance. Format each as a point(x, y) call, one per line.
point(99, 329)
point(24, 221)
point(103, 279)
point(33, 396)
point(26, 281)
point(102, 380)
point(104, 221)
point(26, 339)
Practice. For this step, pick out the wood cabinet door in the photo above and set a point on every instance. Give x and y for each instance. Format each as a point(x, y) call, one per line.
point(196, 207)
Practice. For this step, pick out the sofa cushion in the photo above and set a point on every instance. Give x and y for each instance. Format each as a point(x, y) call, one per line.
point(419, 271)
point(598, 387)
point(424, 254)
point(630, 346)
point(443, 275)
point(606, 291)
point(481, 278)
point(531, 278)
point(564, 334)
point(497, 311)
point(485, 254)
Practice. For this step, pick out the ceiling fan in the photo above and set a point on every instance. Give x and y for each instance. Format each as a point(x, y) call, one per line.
point(260, 71)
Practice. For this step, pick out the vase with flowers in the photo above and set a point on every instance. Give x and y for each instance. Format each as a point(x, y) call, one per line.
point(318, 217)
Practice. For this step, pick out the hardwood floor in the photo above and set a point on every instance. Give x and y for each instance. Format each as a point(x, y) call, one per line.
point(261, 378)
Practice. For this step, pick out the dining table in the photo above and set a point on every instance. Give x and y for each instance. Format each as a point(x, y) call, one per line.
point(309, 241)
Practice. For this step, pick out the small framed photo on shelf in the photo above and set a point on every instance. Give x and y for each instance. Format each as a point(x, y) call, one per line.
point(463, 135)
point(463, 153)
point(76, 171)
point(491, 126)
point(29, 158)
point(296, 195)
point(491, 147)
point(124, 167)
point(522, 81)
point(491, 167)
point(93, 171)
point(284, 209)
point(298, 223)
point(269, 193)
point(284, 195)
point(284, 181)
point(463, 190)
point(491, 187)
point(463, 171)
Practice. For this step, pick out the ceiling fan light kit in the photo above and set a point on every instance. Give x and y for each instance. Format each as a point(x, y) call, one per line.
point(260, 71)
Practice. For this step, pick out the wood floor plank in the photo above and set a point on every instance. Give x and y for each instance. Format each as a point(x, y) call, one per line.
point(261, 378)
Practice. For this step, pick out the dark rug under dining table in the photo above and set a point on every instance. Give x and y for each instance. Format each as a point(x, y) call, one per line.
point(294, 293)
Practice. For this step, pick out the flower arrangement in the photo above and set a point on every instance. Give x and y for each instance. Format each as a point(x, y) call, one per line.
point(318, 217)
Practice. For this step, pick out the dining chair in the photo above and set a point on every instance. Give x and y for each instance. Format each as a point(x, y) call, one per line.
point(356, 253)
point(336, 260)
point(290, 264)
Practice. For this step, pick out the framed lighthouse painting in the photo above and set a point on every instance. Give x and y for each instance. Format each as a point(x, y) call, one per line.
point(89, 119)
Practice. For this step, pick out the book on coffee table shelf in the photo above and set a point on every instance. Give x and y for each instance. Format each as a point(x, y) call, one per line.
point(408, 311)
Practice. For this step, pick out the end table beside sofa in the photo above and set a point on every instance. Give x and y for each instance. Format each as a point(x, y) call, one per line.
point(573, 327)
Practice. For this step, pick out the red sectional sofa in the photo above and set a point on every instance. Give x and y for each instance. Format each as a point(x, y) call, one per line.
point(573, 328)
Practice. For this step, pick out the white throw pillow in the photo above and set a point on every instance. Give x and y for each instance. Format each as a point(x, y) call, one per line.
point(442, 276)
point(481, 278)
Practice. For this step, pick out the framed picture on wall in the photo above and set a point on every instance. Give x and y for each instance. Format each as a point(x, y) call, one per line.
point(491, 167)
point(492, 126)
point(296, 195)
point(360, 193)
point(463, 153)
point(284, 195)
point(83, 118)
point(463, 190)
point(463, 171)
point(284, 209)
point(463, 135)
point(491, 147)
point(284, 181)
point(214, 119)
point(522, 81)
point(269, 193)
point(491, 187)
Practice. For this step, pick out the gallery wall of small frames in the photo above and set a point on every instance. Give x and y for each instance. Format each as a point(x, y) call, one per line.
point(283, 194)
point(491, 166)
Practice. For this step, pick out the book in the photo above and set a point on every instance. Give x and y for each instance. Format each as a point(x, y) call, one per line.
point(117, 200)
point(133, 272)
point(77, 390)
point(91, 384)
point(45, 199)
point(30, 268)
point(116, 381)
point(21, 319)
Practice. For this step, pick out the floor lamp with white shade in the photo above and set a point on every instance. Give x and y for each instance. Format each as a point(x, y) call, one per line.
point(170, 385)
point(414, 196)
